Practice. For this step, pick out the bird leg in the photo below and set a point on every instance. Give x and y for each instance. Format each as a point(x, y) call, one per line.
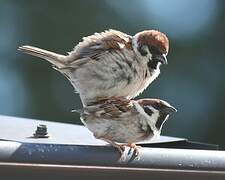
point(134, 147)
point(121, 148)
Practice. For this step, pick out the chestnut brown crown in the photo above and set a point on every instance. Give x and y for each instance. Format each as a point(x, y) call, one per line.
point(158, 104)
point(155, 39)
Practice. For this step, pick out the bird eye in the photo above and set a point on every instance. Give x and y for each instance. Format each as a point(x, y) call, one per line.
point(143, 50)
point(154, 50)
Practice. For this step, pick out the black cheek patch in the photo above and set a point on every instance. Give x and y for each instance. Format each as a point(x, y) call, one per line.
point(148, 111)
point(142, 51)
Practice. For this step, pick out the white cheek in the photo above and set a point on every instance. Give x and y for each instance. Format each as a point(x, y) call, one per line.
point(135, 44)
point(151, 120)
point(154, 116)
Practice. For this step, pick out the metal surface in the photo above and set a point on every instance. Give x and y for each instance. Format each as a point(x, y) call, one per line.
point(50, 171)
point(75, 151)
point(108, 156)
point(22, 129)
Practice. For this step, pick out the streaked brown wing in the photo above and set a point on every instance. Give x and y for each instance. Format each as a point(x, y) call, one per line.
point(113, 108)
point(93, 46)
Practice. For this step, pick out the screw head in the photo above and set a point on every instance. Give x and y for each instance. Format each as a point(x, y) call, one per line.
point(41, 131)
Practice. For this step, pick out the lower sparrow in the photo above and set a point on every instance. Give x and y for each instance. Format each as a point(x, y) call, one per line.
point(118, 120)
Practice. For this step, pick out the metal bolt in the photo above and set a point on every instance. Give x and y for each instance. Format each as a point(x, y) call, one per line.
point(41, 131)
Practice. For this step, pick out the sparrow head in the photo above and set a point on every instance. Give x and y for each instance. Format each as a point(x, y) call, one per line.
point(158, 110)
point(153, 45)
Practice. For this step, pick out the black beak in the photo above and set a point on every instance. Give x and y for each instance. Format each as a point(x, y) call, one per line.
point(169, 110)
point(160, 58)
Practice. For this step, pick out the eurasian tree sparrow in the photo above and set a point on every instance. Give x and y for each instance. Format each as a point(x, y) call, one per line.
point(110, 63)
point(118, 120)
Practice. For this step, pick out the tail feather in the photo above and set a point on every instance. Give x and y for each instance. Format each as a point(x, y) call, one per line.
point(56, 59)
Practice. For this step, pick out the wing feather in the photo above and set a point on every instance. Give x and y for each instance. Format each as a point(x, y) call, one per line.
point(113, 108)
point(93, 46)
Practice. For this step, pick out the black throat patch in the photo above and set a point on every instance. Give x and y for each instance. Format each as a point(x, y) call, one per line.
point(153, 64)
point(148, 111)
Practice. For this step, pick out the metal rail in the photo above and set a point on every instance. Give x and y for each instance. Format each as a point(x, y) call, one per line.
point(163, 158)
point(72, 149)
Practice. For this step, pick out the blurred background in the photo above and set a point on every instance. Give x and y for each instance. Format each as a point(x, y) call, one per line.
point(194, 80)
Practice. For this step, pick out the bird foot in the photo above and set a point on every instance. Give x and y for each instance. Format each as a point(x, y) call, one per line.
point(124, 155)
point(136, 149)
point(121, 148)
point(132, 153)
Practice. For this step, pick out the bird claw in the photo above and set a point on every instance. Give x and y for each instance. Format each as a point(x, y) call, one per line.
point(126, 155)
point(135, 148)
point(121, 149)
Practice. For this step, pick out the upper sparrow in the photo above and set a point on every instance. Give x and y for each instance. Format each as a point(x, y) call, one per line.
point(110, 63)
point(118, 120)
